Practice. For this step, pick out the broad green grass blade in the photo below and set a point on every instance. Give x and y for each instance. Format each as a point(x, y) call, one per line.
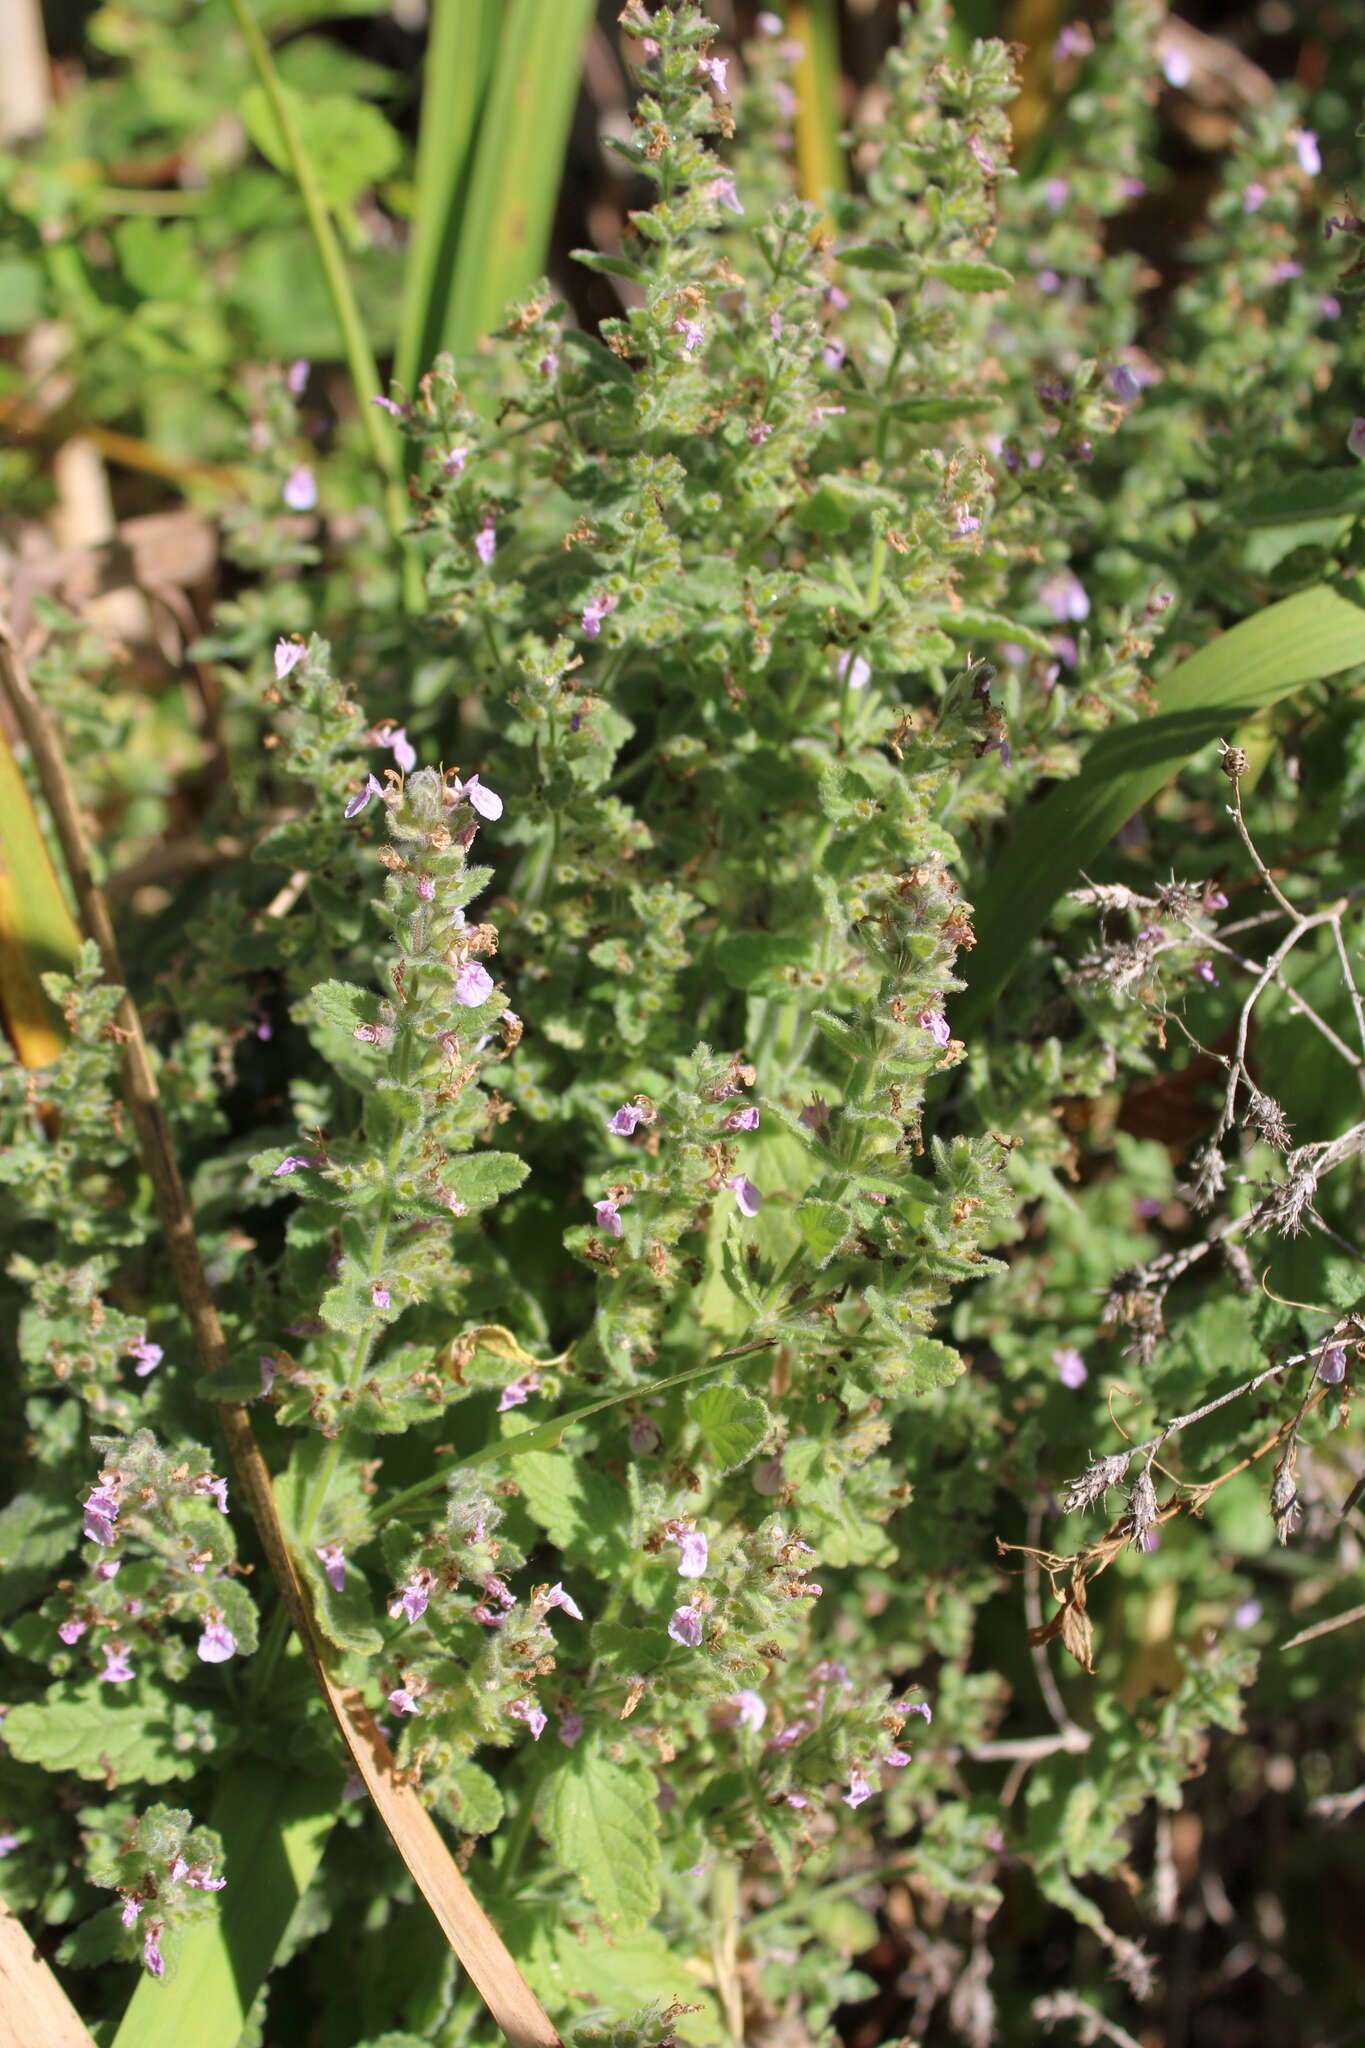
point(518, 163)
point(459, 65)
point(1304, 638)
point(38, 934)
point(820, 165)
point(274, 1826)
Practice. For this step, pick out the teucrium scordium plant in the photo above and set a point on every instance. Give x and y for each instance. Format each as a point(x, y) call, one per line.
point(586, 1013)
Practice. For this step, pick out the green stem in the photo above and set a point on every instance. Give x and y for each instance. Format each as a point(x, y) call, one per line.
point(546, 1435)
point(359, 355)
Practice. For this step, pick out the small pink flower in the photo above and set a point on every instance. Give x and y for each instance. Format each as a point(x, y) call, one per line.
point(411, 1598)
point(623, 1124)
point(301, 489)
point(391, 407)
point(402, 1701)
point(692, 1553)
point(148, 1356)
point(853, 669)
point(608, 1217)
point(570, 1728)
point(296, 376)
point(151, 1949)
point(293, 1164)
point(685, 1627)
point(268, 1371)
point(517, 1392)
point(485, 801)
point(379, 1294)
point(642, 1436)
point(557, 1597)
point(453, 463)
point(752, 1710)
point(693, 334)
point(356, 804)
point(713, 70)
point(1306, 150)
point(217, 1643)
point(473, 984)
point(288, 655)
point(745, 1119)
point(486, 541)
point(747, 1197)
point(1071, 1370)
point(131, 1909)
point(532, 1714)
point(332, 1558)
point(1253, 197)
point(403, 751)
point(101, 1512)
point(71, 1631)
point(594, 611)
point(213, 1489)
point(117, 1670)
point(722, 191)
point(858, 1788)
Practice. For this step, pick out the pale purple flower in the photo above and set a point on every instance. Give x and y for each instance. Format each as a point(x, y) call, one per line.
point(217, 1643)
point(1056, 192)
point(1132, 187)
point(1355, 440)
point(798, 1800)
point(622, 1125)
point(532, 1714)
point(485, 801)
point(918, 1707)
point(411, 1598)
point(288, 655)
point(379, 1294)
point(745, 1119)
point(214, 1489)
point(768, 23)
point(1205, 970)
point(356, 804)
point(752, 1710)
point(897, 1758)
point(966, 522)
point(595, 610)
point(570, 1728)
point(853, 669)
point(453, 464)
point(1253, 197)
point(1124, 384)
point(713, 70)
point(1306, 150)
point(517, 1392)
point(1331, 1368)
point(486, 541)
point(1176, 66)
point(1075, 40)
point(557, 1597)
point(426, 888)
point(693, 334)
point(332, 1558)
point(402, 1701)
point(1329, 308)
point(148, 1356)
point(390, 406)
point(758, 433)
point(374, 1034)
point(131, 1909)
point(1064, 595)
point(101, 1513)
point(1247, 1613)
point(643, 1435)
point(1049, 281)
point(608, 1217)
point(117, 1670)
point(268, 1372)
point(1070, 1366)
point(292, 1164)
point(747, 1197)
point(1283, 269)
point(403, 751)
point(936, 1024)
point(722, 191)
point(296, 376)
point(197, 1876)
point(833, 353)
point(72, 1630)
point(685, 1627)
point(151, 1949)
point(548, 363)
point(108, 1568)
point(858, 1788)
point(692, 1553)
point(473, 984)
point(982, 154)
point(301, 489)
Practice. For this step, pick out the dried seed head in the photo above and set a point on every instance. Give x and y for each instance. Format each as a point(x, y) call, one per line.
point(1207, 1180)
point(1284, 1499)
point(1142, 1508)
point(1265, 1113)
point(1095, 1482)
point(1288, 1203)
point(1233, 762)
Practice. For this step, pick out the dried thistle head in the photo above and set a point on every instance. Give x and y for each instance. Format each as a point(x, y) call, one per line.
point(1269, 1120)
point(1207, 1179)
point(1142, 1509)
point(1289, 1203)
point(1095, 1482)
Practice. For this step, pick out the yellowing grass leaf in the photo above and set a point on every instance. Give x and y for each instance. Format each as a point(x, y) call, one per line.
point(37, 931)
